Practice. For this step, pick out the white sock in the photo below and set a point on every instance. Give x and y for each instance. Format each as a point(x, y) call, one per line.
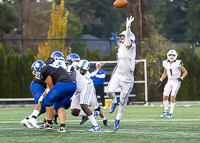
point(165, 103)
point(82, 113)
point(34, 113)
point(93, 120)
point(120, 111)
point(104, 119)
point(114, 100)
point(172, 108)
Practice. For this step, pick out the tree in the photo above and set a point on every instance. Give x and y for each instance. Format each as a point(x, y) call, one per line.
point(13, 79)
point(7, 18)
point(186, 85)
point(95, 16)
point(3, 73)
point(57, 30)
point(28, 76)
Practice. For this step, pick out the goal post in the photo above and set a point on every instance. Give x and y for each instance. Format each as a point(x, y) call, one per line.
point(113, 65)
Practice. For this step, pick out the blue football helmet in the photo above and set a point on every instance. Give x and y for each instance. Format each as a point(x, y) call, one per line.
point(57, 55)
point(73, 59)
point(36, 68)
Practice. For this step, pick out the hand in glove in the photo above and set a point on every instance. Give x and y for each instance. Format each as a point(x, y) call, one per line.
point(114, 38)
point(180, 79)
point(129, 21)
point(159, 82)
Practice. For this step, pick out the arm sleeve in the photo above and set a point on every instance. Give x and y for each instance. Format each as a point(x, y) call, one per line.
point(127, 36)
point(93, 73)
point(100, 75)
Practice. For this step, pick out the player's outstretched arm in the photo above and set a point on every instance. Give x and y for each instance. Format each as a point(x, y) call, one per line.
point(128, 32)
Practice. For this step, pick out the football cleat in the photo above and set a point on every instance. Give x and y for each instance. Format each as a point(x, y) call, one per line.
point(170, 115)
point(33, 122)
point(55, 119)
point(84, 119)
point(95, 129)
point(25, 123)
point(116, 125)
point(62, 130)
point(164, 114)
point(48, 126)
point(113, 106)
point(105, 122)
point(41, 125)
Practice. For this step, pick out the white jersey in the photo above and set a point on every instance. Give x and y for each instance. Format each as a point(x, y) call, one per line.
point(81, 82)
point(126, 63)
point(87, 75)
point(173, 69)
point(85, 92)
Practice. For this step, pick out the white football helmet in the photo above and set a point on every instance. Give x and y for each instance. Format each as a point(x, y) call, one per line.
point(60, 63)
point(172, 52)
point(84, 64)
point(132, 37)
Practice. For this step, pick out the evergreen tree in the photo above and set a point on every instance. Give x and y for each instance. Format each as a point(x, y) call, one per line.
point(184, 91)
point(114, 53)
point(96, 55)
point(28, 61)
point(18, 74)
point(106, 58)
point(87, 54)
point(12, 79)
point(197, 75)
point(3, 73)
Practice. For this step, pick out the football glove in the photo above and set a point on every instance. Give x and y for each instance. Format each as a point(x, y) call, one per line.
point(129, 21)
point(180, 79)
point(159, 82)
point(114, 38)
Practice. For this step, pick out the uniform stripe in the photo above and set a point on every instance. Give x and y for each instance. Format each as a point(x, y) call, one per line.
point(83, 64)
point(178, 86)
point(87, 94)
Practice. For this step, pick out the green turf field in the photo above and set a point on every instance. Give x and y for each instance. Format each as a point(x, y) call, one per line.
point(138, 124)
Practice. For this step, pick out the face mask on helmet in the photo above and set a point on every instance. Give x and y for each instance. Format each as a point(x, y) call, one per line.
point(123, 33)
point(84, 65)
point(36, 68)
point(73, 59)
point(172, 55)
point(57, 55)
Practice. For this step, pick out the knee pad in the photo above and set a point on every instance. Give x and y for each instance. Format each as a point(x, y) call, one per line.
point(98, 109)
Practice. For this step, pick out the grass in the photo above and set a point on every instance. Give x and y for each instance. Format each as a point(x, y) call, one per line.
point(138, 124)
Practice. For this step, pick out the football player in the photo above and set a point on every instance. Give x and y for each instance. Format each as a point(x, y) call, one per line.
point(83, 95)
point(62, 87)
point(172, 69)
point(37, 88)
point(83, 67)
point(123, 76)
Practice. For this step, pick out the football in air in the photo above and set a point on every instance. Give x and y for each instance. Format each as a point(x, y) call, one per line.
point(120, 3)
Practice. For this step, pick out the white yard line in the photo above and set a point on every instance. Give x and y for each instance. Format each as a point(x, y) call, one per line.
point(133, 120)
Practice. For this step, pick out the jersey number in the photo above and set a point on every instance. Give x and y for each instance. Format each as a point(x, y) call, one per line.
point(171, 71)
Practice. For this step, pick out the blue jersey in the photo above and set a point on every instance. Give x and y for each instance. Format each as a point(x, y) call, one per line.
point(99, 81)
